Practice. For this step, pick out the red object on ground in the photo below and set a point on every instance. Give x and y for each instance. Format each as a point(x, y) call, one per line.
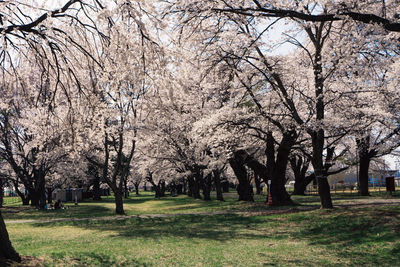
point(269, 199)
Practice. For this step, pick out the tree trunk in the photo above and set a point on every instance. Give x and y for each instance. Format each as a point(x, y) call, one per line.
point(225, 186)
point(6, 249)
point(157, 191)
point(190, 186)
point(25, 200)
point(38, 193)
point(257, 182)
point(299, 167)
point(96, 188)
point(194, 188)
point(324, 193)
point(159, 188)
point(137, 189)
point(49, 195)
point(300, 187)
point(24, 197)
point(35, 198)
point(244, 188)
point(276, 168)
point(173, 189)
point(179, 189)
point(279, 194)
point(126, 189)
point(42, 197)
point(1, 192)
point(278, 190)
point(217, 182)
point(185, 186)
point(207, 182)
point(162, 189)
point(319, 170)
point(363, 175)
point(119, 203)
point(364, 156)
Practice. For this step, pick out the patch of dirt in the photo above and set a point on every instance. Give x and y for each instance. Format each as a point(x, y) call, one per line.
point(26, 261)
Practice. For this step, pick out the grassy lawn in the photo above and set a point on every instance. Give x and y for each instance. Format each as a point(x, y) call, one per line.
point(12, 201)
point(147, 204)
point(368, 236)
point(143, 204)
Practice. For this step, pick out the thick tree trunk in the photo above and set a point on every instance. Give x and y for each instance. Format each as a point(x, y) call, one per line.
point(38, 193)
point(282, 197)
point(159, 188)
point(194, 188)
point(217, 182)
point(364, 155)
point(244, 188)
point(35, 198)
point(278, 190)
point(300, 187)
point(276, 168)
point(119, 203)
point(157, 191)
point(1, 192)
point(363, 176)
point(324, 193)
point(6, 249)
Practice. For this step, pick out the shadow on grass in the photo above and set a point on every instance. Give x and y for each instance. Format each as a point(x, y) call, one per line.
point(216, 227)
point(371, 232)
point(366, 236)
point(80, 211)
point(96, 259)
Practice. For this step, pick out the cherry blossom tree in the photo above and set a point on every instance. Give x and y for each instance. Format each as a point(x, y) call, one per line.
point(327, 48)
point(58, 38)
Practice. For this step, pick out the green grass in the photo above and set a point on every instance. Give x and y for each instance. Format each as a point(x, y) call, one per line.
point(340, 237)
point(12, 201)
point(147, 204)
point(143, 204)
